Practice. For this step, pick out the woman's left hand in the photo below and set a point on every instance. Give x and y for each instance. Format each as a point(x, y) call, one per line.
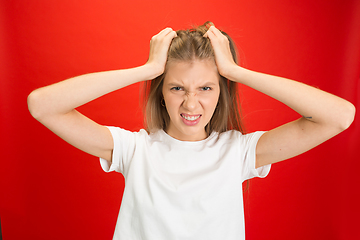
point(223, 56)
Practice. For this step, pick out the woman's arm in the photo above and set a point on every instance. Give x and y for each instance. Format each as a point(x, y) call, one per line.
point(324, 115)
point(54, 105)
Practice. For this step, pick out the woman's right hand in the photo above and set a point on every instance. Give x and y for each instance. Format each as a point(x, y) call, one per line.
point(159, 47)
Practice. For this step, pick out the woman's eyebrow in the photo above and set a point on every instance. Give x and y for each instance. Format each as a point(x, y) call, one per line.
point(178, 83)
point(208, 84)
point(174, 84)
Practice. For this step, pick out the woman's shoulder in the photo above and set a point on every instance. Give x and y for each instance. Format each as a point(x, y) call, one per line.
point(118, 132)
point(232, 135)
point(229, 134)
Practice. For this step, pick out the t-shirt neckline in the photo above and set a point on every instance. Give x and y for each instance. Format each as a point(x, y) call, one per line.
point(167, 137)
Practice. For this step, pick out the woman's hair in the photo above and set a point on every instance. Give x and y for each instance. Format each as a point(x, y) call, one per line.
point(190, 45)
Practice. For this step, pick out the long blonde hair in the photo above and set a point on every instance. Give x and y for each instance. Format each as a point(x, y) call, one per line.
point(187, 46)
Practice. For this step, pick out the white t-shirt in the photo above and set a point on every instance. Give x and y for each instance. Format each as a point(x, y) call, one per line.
point(182, 190)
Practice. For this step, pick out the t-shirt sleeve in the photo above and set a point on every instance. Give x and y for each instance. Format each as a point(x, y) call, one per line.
point(123, 149)
point(249, 141)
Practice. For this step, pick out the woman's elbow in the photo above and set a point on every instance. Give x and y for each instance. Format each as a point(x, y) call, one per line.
point(348, 116)
point(34, 104)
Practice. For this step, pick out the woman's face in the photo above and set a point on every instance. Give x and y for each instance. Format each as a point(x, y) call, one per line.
point(191, 92)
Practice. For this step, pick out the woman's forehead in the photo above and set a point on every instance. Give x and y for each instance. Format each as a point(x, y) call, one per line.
point(193, 72)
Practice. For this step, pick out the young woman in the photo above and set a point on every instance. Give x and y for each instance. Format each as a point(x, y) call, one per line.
point(184, 174)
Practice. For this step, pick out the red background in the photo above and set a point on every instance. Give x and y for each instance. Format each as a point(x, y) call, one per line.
point(50, 190)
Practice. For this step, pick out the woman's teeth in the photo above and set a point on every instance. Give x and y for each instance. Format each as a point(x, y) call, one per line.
point(190, 118)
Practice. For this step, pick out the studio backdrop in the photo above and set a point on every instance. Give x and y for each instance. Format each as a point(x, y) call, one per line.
point(50, 190)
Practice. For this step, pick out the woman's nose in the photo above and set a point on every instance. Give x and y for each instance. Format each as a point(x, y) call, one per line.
point(190, 101)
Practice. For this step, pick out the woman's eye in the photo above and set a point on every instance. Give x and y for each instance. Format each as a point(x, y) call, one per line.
point(176, 88)
point(206, 88)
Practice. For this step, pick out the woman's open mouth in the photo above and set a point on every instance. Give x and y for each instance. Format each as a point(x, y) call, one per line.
point(190, 120)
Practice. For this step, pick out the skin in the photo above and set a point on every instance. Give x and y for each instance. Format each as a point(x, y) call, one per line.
point(190, 89)
point(325, 114)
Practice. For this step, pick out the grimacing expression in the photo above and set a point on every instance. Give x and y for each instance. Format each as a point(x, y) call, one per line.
point(191, 92)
